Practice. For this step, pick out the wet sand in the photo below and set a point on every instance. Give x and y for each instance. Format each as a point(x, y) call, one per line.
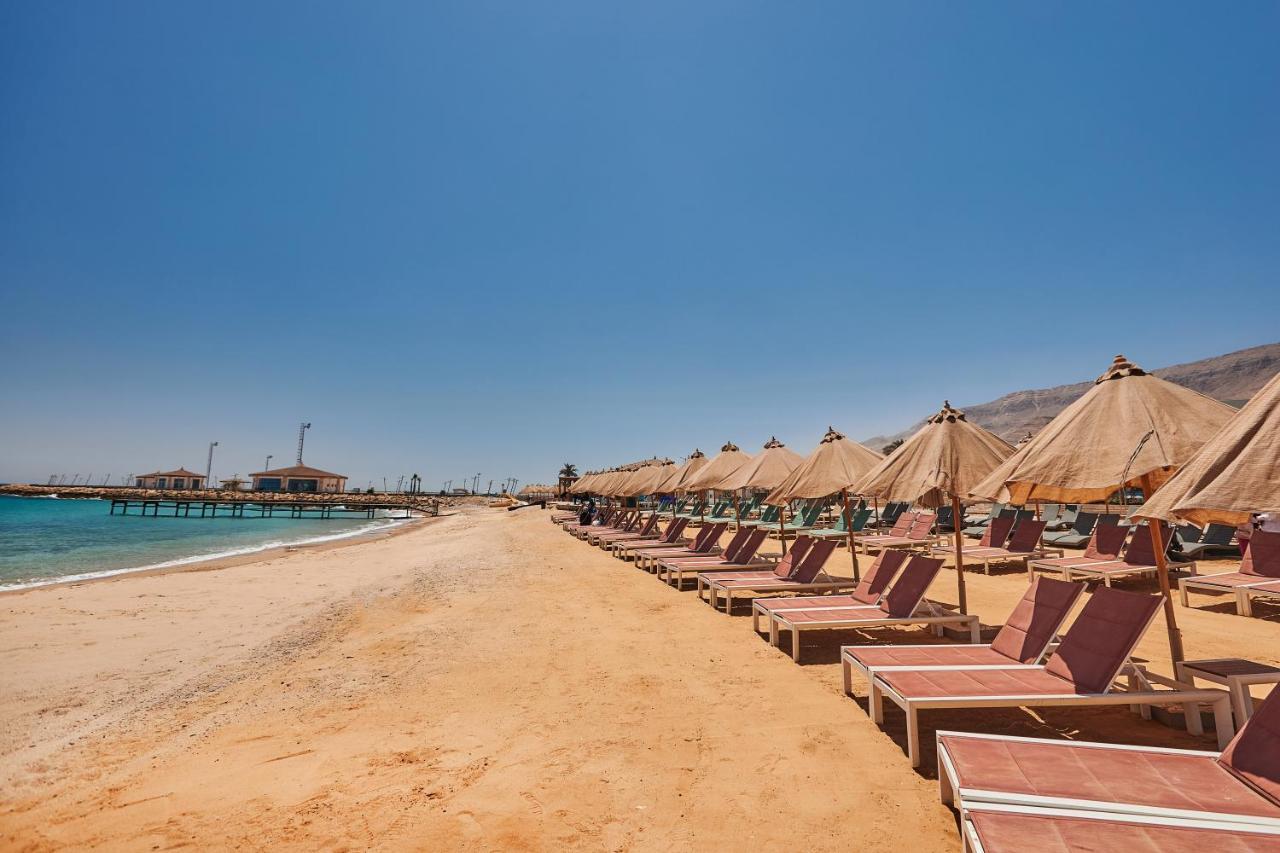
point(480, 682)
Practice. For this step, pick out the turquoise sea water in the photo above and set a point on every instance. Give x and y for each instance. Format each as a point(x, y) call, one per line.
point(43, 540)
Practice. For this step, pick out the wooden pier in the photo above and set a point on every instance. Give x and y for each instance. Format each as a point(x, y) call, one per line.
point(179, 508)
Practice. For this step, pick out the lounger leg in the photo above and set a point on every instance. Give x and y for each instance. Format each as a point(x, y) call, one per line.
point(1244, 604)
point(755, 620)
point(875, 703)
point(728, 601)
point(773, 632)
point(1182, 594)
point(1191, 713)
point(847, 672)
point(795, 645)
point(1222, 721)
point(975, 631)
point(1241, 702)
point(913, 735)
point(946, 792)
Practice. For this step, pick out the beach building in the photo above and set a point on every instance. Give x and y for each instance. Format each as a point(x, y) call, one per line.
point(179, 479)
point(298, 478)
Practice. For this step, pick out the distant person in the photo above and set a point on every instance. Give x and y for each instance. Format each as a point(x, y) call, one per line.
point(588, 513)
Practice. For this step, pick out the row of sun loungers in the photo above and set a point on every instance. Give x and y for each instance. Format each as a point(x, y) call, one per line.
point(1013, 793)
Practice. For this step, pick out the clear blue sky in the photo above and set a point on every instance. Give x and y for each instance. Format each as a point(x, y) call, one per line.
point(217, 220)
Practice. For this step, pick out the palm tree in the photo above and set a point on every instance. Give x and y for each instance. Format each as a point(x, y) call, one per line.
point(891, 446)
point(569, 471)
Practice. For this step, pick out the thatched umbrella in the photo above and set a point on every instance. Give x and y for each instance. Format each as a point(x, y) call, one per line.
point(1236, 473)
point(645, 478)
point(941, 462)
point(765, 470)
point(1129, 429)
point(677, 481)
point(835, 465)
point(729, 459)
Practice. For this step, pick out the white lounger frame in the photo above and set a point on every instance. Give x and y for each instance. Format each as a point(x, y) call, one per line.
point(927, 612)
point(971, 843)
point(952, 794)
point(715, 590)
point(1203, 583)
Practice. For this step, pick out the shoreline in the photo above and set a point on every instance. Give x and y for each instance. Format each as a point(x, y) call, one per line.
point(227, 561)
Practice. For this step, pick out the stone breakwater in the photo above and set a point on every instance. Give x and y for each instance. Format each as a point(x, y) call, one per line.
point(426, 503)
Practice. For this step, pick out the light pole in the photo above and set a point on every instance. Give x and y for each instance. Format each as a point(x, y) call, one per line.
point(208, 466)
point(267, 465)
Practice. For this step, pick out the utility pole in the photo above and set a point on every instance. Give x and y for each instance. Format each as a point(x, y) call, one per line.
point(475, 489)
point(87, 479)
point(267, 466)
point(208, 466)
point(489, 488)
point(302, 436)
point(106, 481)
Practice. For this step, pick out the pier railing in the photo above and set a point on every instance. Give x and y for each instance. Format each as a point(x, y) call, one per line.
point(310, 509)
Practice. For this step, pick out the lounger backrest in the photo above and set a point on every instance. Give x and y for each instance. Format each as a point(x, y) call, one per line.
point(1008, 512)
point(860, 519)
point(881, 573)
point(1140, 552)
point(1050, 512)
point(1189, 534)
point(707, 537)
point(1263, 556)
point(1107, 542)
point(749, 548)
point(922, 526)
point(811, 517)
point(902, 524)
point(1026, 536)
point(674, 529)
point(912, 583)
point(997, 532)
point(650, 524)
point(807, 568)
point(1085, 523)
point(1036, 619)
point(738, 540)
point(1100, 640)
point(1218, 534)
point(1253, 756)
point(798, 549)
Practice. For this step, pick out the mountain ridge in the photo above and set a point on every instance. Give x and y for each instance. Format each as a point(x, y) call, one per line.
point(1232, 377)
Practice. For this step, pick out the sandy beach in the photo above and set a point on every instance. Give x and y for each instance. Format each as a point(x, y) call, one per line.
point(480, 682)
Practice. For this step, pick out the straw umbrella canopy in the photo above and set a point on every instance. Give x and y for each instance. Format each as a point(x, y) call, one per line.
point(645, 479)
point(835, 465)
point(1088, 452)
point(676, 481)
point(1236, 473)
point(765, 471)
point(1129, 429)
point(728, 460)
point(937, 465)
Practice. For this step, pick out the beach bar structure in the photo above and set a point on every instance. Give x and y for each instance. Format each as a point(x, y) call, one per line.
point(298, 478)
point(179, 479)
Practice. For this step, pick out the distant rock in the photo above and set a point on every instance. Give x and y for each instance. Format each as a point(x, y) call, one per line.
point(1232, 378)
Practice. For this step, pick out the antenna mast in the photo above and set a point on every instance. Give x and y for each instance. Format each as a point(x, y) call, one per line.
point(302, 436)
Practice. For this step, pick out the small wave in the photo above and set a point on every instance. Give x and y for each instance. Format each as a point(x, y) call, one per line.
point(364, 530)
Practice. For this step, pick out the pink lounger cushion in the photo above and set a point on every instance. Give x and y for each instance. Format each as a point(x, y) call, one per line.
point(926, 684)
point(1060, 769)
point(1001, 832)
point(939, 655)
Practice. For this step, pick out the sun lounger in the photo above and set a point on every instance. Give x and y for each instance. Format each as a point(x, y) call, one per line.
point(1065, 519)
point(1082, 671)
point(1139, 559)
point(805, 521)
point(636, 529)
point(605, 517)
point(977, 520)
point(919, 535)
point(840, 530)
point(1105, 544)
point(900, 528)
point(1259, 568)
point(1215, 540)
point(1004, 828)
point(703, 543)
point(1023, 545)
point(994, 535)
point(739, 558)
point(628, 521)
point(806, 576)
point(903, 604)
point(868, 591)
point(1024, 638)
point(671, 536)
point(781, 569)
point(977, 530)
point(1240, 785)
point(891, 513)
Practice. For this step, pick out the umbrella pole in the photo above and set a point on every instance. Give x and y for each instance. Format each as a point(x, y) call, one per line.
point(782, 527)
point(956, 511)
point(876, 502)
point(737, 511)
point(848, 527)
point(1162, 572)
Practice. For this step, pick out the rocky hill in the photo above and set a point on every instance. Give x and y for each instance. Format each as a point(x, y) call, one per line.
point(1232, 378)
